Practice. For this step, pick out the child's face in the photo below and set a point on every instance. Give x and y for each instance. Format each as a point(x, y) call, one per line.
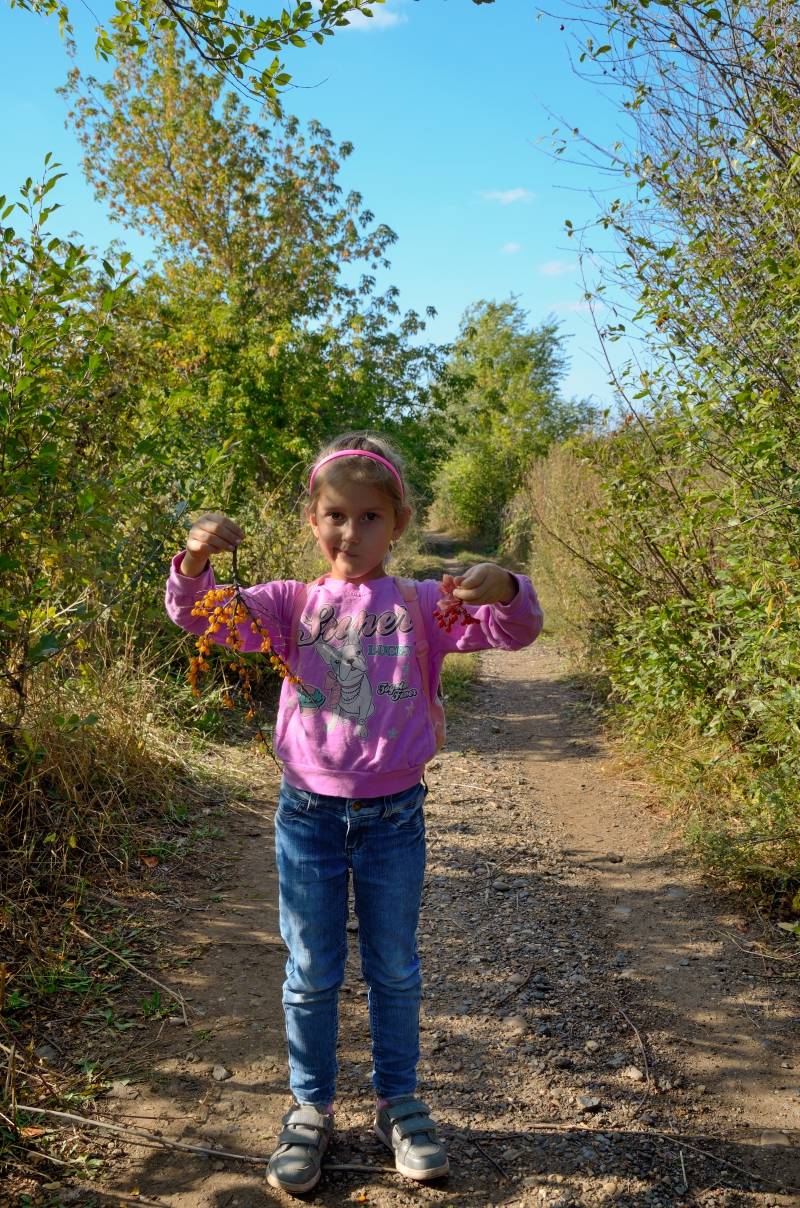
point(354, 526)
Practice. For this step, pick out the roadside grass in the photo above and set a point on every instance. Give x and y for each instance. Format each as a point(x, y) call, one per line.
point(113, 797)
point(459, 677)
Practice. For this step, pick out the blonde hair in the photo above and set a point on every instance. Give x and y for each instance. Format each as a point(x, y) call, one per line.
point(362, 470)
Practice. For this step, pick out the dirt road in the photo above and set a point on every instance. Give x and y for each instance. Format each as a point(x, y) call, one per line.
point(597, 1028)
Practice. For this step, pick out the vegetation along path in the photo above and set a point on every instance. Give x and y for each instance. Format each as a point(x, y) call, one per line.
point(597, 1028)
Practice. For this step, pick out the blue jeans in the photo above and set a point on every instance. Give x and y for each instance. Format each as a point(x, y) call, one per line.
point(319, 842)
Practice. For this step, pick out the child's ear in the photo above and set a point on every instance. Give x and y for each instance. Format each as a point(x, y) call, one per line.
point(402, 521)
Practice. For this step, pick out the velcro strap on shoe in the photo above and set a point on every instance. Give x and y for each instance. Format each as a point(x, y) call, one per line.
point(310, 1138)
point(409, 1107)
point(413, 1126)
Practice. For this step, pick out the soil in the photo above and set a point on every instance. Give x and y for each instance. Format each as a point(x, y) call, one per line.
point(598, 1027)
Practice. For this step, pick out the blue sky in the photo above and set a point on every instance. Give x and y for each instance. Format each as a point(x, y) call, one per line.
point(446, 103)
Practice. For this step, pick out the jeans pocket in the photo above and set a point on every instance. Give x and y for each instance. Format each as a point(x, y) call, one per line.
point(293, 801)
point(405, 810)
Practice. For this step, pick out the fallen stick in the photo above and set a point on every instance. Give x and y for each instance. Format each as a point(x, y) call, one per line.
point(637, 1034)
point(126, 1197)
point(677, 1137)
point(336, 1167)
point(167, 990)
point(488, 1156)
point(516, 989)
point(140, 1135)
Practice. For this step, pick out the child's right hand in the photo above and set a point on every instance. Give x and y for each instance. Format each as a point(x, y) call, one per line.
point(213, 533)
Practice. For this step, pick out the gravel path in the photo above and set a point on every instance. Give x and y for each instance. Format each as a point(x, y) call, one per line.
point(585, 999)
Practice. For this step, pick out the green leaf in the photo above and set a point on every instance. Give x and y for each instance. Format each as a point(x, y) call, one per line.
point(44, 648)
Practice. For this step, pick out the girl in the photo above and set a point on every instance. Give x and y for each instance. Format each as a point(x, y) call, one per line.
point(354, 736)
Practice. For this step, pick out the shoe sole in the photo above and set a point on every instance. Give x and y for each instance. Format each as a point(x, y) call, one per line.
point(421, 1176)
point(293, 1188)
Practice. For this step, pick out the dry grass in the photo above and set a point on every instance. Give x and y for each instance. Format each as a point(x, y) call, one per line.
point(104, 787)
point(551, 527)
point(98, 778)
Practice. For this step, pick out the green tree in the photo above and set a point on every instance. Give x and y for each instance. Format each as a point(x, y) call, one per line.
point(64, 495)
point(261, 331)
point(232, 42)
point(504, 409)
point(699, 568)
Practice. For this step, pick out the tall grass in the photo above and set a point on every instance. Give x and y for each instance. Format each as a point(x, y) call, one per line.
point(685, 672)
point(551, 527)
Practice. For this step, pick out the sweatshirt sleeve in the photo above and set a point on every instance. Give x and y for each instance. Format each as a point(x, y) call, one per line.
point(501, 626)
point(270, 603)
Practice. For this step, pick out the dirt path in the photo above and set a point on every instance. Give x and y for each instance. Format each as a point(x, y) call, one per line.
point(584, 996)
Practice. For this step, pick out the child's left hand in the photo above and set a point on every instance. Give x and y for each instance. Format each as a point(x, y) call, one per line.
point(484, 583)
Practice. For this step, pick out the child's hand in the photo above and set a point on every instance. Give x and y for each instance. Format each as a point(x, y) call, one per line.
point(484, 583)
point(213, 533)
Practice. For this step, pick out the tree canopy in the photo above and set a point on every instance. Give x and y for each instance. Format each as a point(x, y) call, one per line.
point(230, 41)
point(506, 408)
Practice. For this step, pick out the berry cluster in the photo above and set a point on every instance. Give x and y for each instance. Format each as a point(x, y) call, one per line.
point(450, 611)
point(225, 608)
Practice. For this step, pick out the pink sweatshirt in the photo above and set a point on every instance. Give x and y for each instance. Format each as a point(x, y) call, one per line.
point(360, 725)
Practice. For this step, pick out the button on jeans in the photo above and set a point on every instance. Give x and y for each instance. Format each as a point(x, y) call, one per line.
point(320, 842)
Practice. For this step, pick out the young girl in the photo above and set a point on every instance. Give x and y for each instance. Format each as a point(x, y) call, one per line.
point(354, 736)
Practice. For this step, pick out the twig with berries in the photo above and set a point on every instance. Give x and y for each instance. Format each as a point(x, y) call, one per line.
point(226, 607)
point(450, 611)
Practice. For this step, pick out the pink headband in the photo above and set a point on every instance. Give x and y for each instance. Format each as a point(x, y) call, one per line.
point(356, 453)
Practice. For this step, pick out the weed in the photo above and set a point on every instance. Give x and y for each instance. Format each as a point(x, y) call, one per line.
point(153, 1007)
point(459, 674)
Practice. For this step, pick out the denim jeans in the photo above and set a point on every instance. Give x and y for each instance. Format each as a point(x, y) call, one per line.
point(319, 842)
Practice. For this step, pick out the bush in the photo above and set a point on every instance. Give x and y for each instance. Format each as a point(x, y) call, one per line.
point(551, 526)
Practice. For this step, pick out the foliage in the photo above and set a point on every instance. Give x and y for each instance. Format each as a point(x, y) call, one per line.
point(459, 677)
point(700, 566)
point(59, 489)
point(552, 528)
point(261, 333)
point(229, 40)
point(503, 409)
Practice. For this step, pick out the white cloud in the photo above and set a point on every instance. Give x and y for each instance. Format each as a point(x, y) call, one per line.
point(508, 197)
point(557, 268)
point(382, 18)
point(511, 249)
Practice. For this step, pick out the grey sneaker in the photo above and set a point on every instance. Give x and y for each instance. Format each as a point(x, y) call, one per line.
point(405, 1126)
point(296, 1164)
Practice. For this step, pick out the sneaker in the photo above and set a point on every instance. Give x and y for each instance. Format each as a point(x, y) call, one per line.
point(405, 1127)
point(296, 1164)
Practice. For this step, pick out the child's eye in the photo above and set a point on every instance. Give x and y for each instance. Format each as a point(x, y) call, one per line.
point(370, 515)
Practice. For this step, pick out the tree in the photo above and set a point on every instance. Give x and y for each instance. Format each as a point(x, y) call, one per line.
point(257, 332)
point(700, 549)
point(227, 39)
point(505, 410)
point(60, 486)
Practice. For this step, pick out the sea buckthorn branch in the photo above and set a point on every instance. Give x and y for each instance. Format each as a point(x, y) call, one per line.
point(450, 611)
point(227, 607)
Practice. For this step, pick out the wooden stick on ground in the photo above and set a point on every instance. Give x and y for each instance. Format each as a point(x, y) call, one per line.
point(167, 990)
point(637, 1034)
point(141, 1136)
